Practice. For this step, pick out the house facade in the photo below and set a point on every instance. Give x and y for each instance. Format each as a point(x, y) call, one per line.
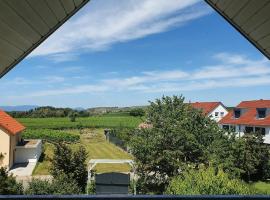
point(249, 116)
point(10, 136)
point(214, 110)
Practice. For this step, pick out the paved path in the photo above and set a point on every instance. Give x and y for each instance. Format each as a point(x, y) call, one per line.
point(22, 169)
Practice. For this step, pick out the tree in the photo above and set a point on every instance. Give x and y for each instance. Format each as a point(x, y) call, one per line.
point(8, 184)
point(137, 112)
point(62, 184)
point(180, 137)
point(207, 182)
point(73, 164)
point(245, 157)
point(72, 116)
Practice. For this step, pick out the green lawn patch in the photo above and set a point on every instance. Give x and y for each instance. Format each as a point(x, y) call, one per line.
point(262, 187)
point(97, 147)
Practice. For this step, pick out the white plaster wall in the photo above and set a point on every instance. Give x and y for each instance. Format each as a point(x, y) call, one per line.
point(241, 130)
point(24, 155)
point(218, 109)
point(5, 148)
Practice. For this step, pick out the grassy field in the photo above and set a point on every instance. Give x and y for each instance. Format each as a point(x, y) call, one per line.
point(263, 187)
point(97, 147)
point(104, 121)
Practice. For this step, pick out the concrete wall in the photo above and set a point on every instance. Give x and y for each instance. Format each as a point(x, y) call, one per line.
point(4, 148)
point(219, 110)
point(28, 154)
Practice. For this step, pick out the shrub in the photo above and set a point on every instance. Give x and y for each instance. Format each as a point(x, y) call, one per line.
point(137, 112)
point(50, 135)
point(8, 184)
point(72, 164)
point(60, 185)
point(207, 182)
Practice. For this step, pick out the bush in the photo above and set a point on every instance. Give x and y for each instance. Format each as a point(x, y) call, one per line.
point(60, 185)
point(207, 182)
point(72, 164)
point(137, 112)
point(8, 184)
point(50, 135)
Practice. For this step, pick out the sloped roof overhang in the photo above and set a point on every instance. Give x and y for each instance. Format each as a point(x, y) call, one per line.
point(250, 17)
point(25, 24)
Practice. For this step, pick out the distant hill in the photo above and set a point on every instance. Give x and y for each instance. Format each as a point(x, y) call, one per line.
point(18, 108)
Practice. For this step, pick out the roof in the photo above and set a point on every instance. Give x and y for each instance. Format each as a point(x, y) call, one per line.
point(24, 25)
point(249, 117)
point(250, 17)
point(206, 107)
point(10, 124)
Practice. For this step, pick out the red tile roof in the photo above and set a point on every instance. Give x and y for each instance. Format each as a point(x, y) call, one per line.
point(206, 107)
point(10, 124)
point(249, 117)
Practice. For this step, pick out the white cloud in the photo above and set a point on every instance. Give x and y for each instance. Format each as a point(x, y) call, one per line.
point(102, 24)
point(239, 72)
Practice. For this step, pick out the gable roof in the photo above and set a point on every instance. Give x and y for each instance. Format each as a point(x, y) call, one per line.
point(249, 117)
point(10, 124)
point(206, 107)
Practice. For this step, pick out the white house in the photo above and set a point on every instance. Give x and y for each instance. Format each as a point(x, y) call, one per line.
point(214, 110)
point(249, 116)
point(13, 149)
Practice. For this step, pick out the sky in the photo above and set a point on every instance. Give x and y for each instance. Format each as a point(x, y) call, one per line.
point(130, 52)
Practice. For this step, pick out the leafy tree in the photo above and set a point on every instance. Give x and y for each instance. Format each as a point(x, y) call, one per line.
point(207, 182)
point(60, 185)
point(137, 112)
point(180, 137)
point(72, 116)
point(245, 157)
point(8, 184)
point(73, 164)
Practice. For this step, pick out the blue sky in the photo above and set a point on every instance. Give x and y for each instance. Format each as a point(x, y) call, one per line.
point(127, 52)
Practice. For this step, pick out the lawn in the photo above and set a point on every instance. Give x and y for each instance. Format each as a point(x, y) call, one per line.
point(263, 187)
point(97, 147)
point(103, 121)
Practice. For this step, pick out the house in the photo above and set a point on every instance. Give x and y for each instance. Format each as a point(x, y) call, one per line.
point(249, 116)
point(13, 149)
point(214, 110)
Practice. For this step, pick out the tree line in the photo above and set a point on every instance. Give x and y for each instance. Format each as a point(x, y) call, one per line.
point(48, 111)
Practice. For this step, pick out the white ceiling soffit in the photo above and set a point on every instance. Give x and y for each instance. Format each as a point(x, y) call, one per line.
point(24, 24)
point(250, 17)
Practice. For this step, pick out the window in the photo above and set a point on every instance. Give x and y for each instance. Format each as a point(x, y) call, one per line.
point(237, 113)
point(222, 114)
point(260, 130)
point(261, 112)
point(216, 114)
point(226, 127)
point(249, 129)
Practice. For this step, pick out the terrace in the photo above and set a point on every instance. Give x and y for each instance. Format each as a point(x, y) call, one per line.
point(228, 9)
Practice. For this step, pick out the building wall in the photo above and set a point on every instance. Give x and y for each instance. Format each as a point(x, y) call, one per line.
point(218, 109)
point(4, 148)
point(28, 154)
point(14, 139)
point(241, 130)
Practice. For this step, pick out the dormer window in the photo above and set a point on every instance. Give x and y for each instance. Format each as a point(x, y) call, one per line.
point(237, 113)
point(261, 112)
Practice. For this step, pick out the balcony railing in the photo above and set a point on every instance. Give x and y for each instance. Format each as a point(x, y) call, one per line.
point(130, 197)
